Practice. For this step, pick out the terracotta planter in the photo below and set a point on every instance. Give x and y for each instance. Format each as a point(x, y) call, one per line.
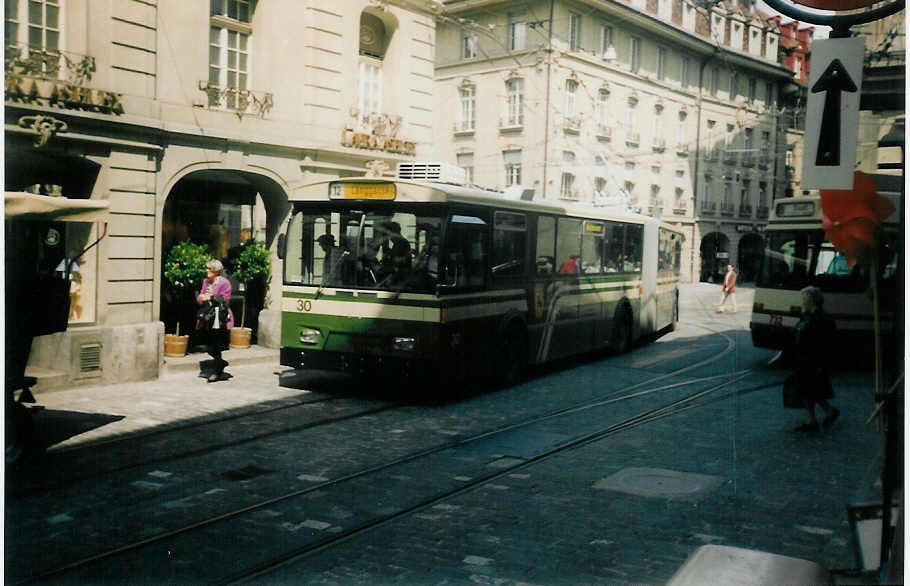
point(240, 337)
point(175, 345)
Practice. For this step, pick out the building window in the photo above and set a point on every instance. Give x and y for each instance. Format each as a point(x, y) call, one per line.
point(797, 66)
point(684, 72)
point(762, 194)
point(574, 31)
point(681, 133)
point(727, 202)
point(634, 53)
point(752, 89)
point(788, 157)
point(714, 81)
point(661, 62)
point(518, 30)
point(515, 102)
point(234, 9)
point(466, 108)
point(688, 19)
point(629, 188)
point(566, 189)
point(571, 91)
point(734, 86)
point(600, 107)
point(707, 190)
point(568, 158)
point(468, 44)
point(229, 53)
point(710, 137)
point(512, 161)
point(606, 40)
point(728, 139)
point(466, 162)
point(369, 95)
point(769, 94)
point(663, 9)
point(43, 30)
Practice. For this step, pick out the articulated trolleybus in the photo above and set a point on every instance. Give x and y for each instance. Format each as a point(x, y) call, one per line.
point(429, 278)
point(798, 255)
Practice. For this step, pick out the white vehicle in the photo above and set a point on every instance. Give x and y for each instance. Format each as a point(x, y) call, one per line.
point(797, 255)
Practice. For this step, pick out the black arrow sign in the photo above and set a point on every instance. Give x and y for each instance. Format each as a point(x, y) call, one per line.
point(834, 80)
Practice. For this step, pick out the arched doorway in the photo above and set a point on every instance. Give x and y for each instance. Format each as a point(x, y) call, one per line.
point(220, 210)
point(715, 255)
point(749, 256)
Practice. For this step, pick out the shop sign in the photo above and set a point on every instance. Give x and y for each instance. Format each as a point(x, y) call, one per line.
point(376, 132)
point(750, 228)
point(722, 255)
point(61, 94)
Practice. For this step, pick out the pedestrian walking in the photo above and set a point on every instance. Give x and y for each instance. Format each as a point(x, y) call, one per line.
point(216, 292)
point(729, 290)
point(813, 334)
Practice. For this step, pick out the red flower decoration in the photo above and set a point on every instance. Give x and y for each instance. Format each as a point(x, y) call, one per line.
point(850, 217)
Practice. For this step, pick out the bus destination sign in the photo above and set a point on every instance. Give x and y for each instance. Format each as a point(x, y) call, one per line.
point(362, 191)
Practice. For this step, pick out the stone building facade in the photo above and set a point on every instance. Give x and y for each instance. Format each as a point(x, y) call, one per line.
point(194, 119)
point(660, 103)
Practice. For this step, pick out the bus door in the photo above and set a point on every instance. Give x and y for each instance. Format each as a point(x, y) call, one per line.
point(465, 258)
point(571, 332)
point(592, 298)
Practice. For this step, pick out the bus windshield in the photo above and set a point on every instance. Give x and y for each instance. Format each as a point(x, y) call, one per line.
point(364, 248)
point(794, 259)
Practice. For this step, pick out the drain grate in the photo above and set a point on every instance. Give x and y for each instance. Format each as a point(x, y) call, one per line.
point(245, 473)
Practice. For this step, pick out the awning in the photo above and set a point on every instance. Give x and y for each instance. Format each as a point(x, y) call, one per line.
point(28, 206)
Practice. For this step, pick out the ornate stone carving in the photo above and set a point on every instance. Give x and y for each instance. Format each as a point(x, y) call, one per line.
point(377, 168)
point(44, 127)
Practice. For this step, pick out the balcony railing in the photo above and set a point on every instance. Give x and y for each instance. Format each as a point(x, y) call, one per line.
point(709, 208)
point(679, 209)
point(604, 132)
point(745, 211)
point(659, 144)
point(572, 124)
point(682, 149)
point(24, 61)
point(726, 208)
point(748, 160)
point(463, 126)
point(729, 158)
point(761, 212)
point(510, 122)
point(239, 101)
point(633, 138)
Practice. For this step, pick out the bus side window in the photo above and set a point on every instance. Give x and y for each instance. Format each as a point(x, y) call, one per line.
point(568, 246)
point(592, 247)
point(613, 247)
point(545, 253)
point(509, 244)
point(633, 248)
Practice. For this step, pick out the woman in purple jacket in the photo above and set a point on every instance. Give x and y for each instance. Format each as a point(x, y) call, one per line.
point(217, 290)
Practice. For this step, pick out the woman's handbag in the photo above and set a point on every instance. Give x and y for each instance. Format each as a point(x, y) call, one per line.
point(793, 399)
point(205, 316)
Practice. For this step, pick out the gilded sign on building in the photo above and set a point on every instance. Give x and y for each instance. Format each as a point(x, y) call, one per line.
point(376, 132)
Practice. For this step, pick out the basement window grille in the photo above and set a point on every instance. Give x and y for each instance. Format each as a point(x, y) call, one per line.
point(89, 358)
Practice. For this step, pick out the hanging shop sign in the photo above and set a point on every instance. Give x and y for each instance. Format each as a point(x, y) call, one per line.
point(61, 94)
point(377, 132)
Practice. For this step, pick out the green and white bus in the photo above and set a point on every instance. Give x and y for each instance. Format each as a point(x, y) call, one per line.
point(444, 280)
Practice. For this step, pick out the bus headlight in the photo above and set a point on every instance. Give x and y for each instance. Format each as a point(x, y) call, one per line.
point(404, 343)
point(309, 336)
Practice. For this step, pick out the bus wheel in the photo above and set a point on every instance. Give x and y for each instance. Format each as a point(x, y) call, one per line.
point(510, 366)
point(622, 331)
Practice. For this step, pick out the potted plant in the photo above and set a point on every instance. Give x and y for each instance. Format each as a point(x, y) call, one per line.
point(253, 262)
point(184, 270)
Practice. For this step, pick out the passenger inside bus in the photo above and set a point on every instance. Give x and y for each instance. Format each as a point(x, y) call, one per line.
point(389, 253)
point(336, 266)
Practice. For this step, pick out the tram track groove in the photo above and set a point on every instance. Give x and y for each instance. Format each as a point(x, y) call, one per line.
point(628, 423)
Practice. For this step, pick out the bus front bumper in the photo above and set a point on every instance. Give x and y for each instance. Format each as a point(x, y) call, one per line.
point(352, 362)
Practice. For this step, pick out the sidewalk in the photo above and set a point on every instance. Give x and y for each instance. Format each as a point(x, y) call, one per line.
point(77, 416)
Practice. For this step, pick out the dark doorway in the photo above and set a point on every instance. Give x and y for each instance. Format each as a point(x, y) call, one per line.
point(715, 255)
point(751, 247)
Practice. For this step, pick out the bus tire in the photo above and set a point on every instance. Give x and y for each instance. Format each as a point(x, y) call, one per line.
point(511, 364)
point(622, 331)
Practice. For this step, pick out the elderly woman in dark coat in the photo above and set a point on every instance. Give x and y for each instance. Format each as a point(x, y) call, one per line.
point(217, 289)
point(813, 334)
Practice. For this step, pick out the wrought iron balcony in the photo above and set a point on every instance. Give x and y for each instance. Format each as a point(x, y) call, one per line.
point(726, 208)
point(38, 63)
point(729, 157)
point(240, 101)
point(659, 144)
point(748, 160)
point(463, 126)
point(709, 208)
point(745, 211)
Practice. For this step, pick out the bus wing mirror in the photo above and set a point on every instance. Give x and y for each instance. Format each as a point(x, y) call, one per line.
point(282, 246)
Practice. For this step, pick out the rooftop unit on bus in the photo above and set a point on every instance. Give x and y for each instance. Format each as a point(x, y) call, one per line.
point(435, 172)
